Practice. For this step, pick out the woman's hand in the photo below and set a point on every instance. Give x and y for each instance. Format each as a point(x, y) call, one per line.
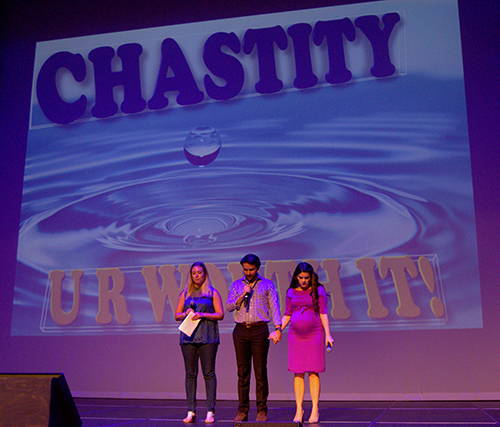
point(329, 340)
point(275, 336)
point(197, 315)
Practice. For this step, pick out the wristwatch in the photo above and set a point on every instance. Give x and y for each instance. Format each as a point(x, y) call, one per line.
point(278, 328)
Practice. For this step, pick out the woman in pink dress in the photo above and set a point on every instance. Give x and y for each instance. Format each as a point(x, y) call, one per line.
point(306, 311)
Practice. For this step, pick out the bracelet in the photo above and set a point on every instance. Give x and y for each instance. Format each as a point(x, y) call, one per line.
point(278, 328)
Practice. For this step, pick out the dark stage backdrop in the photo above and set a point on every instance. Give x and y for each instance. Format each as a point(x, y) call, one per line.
point(359, 136)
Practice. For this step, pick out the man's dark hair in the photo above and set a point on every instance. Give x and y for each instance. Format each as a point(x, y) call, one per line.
point(251, 259)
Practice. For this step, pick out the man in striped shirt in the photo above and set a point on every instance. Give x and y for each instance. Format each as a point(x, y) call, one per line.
point(254, 302)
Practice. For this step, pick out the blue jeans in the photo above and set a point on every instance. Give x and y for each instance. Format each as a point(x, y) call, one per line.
point(206, 354)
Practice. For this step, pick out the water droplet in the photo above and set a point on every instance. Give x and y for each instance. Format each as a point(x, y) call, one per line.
point(202, 146)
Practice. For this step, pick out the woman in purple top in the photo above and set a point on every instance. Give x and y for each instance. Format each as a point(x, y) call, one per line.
point(306, 311)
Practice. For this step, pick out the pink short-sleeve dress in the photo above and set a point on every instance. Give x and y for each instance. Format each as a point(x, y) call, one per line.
point(306, 338)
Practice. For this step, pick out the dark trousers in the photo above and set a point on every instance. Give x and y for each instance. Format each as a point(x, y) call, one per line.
point(206, 354)
point(251, 343)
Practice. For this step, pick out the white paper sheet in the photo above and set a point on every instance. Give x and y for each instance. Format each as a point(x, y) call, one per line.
point(188, 325)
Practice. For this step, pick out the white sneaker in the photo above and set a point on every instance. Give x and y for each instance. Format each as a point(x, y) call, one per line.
point(210, 417)
point(191, 417)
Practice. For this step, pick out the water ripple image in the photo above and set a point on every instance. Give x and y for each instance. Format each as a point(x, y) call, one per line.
point(322, 174)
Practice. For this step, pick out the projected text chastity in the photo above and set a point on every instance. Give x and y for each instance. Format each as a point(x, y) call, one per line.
point(226, 75)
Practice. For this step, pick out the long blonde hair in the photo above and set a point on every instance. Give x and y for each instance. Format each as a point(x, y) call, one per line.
point(206, 288)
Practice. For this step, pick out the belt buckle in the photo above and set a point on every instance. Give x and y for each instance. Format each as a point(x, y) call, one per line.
point(248, 324)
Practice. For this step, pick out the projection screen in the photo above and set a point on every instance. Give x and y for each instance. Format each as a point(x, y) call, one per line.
point(335, 135)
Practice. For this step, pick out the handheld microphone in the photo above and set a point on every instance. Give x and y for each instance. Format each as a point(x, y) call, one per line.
point(329, 348)
point(245, 299)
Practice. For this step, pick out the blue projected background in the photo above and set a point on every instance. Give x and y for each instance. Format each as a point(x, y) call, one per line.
point(368, 169)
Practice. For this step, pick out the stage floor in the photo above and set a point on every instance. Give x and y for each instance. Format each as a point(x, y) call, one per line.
point(162, 413)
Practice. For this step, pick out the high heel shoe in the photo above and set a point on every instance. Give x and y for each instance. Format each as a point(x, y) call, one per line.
point(314, 419)
point(298, 418)
point(210, 417)
point(191, 417)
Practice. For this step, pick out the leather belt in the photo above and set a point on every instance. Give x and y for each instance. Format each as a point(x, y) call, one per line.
point(252, 324)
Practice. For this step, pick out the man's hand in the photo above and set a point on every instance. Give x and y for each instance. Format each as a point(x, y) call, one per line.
point(275, 336)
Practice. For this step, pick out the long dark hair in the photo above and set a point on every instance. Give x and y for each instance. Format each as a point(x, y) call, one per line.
point(304, 267)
